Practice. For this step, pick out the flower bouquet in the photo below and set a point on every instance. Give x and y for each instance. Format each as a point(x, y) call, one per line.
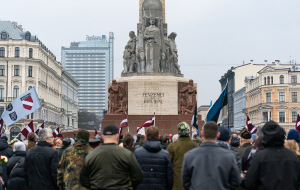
point(3, 160)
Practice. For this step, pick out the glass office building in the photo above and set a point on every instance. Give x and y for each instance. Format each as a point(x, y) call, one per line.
point(91, 63)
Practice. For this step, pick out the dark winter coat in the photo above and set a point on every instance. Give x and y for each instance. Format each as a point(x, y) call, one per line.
point(210, 167)
point(60, 151)
point(5, 150)
point(236, 154)
point(41, 167)
point(15, 171)
point(156, 165)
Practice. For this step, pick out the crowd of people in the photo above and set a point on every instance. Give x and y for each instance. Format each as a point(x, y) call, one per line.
point(216, 160)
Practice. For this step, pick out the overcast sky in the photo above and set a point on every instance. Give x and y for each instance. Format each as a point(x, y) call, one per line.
point(212, 35)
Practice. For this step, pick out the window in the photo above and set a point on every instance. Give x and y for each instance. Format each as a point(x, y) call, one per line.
point(294, 116)
point(271, 80)
point(3, 35)
point(2, 70)
point(294, 79)
point(1, 93)
point(268, 80)
point(16, 91)
point(281, 117)
point(27, 36)
point(281, 78)
point(268, 97)
point(29, 71)
point(2, 52)
point(30, 52)
point(294, 96)
point(17, 70)
point(265, 117)
point(17, 52)
point(281, 96)
point(265, 79)
point(29, 87)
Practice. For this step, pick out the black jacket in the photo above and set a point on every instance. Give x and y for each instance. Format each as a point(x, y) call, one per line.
point(210, 167)
point(236, 154)
point(156, 165)
point(41, 167)
point(15, 171)
point(60, 151)
point(273, 168)
point(5, 150)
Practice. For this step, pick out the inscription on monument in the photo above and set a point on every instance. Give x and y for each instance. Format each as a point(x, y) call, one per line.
point(153, 98)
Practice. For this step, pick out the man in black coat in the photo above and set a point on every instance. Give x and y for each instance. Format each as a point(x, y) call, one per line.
point(5, 150)
point(41, 163)
point(274, 167)
point(155, 163)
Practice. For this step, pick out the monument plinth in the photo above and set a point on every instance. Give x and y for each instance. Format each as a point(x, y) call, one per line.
point(151, 80)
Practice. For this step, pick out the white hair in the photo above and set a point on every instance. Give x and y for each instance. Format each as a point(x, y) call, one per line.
point(44, 133)
point(175, 137)
point(19, 146)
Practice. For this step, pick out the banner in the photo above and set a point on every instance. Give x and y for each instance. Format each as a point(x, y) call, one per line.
point(20, 107)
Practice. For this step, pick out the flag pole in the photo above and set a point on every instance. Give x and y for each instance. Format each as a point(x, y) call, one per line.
point(17, 136)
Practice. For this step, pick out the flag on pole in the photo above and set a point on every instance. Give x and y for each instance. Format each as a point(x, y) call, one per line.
point(210, 103)
point(38, 129)
point(1, 126)
point(214, 111)
point(124, 123)
point(96, 133)
point(251, 128)
point(148, 123)
point(20, 107)
point(194, 122)
point(28, 129)
point(55, 132)
point(298, 123)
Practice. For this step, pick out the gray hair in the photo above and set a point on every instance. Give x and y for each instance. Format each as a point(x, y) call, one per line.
point(44, 133)
point(19, 146)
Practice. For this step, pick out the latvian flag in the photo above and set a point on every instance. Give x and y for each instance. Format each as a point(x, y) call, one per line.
point(298, 123)
point(40, 128)
point(28, 129)
point(55, 132)
point(1, 126)
point(124, 123)
point(251, 128)
point(96, 133)
point(148, 123)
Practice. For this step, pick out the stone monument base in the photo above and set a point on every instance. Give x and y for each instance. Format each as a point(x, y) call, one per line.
point(166, 123)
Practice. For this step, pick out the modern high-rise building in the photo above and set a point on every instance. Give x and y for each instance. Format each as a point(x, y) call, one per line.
point(91, 63)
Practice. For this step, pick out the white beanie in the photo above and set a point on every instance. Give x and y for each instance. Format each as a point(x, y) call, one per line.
point(19, 146)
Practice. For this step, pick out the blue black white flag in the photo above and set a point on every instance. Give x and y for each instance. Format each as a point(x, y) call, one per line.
point(214, 111)
point(195, 117)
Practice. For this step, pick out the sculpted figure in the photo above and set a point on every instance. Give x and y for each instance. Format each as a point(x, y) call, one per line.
point(190, 93)
point(152, 37)
point(122, 104)
point(165, 65)
point(184, 107)
point(129, 54)
point(140, 52)
point(126, 58)
point(174, 55)
point(114, 97)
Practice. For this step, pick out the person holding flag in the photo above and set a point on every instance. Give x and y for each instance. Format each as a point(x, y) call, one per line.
point(251, 128)
point(149, 123)
point(124, 123)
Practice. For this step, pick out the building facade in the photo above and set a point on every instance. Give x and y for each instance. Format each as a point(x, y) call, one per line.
point(91, 63)
point(239, 104)
point(274, 95)
point(69, 102)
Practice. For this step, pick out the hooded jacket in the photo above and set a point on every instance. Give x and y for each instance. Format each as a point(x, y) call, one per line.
point(273, 167)
point(15, 171)
point(5, 150)
point(156, 165)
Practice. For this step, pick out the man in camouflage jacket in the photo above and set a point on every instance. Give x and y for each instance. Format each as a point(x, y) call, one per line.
point(71, 162)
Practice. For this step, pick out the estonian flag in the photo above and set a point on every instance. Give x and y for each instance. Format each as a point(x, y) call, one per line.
point(195, 118)
point(214, 111)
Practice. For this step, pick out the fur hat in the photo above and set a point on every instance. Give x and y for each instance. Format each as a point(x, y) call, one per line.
point(83, 135)
point(274, 135)
point(224, 134)
point(245, 134)
point(183, 129)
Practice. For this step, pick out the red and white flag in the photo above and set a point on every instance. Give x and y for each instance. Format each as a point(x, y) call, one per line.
point(55, 132)
point(124, 123)
point(28, 129)
point(1, 126)
point(298, 123)
point(38, 129)
point(96, 133)
point(148, 123)
point(251, 128)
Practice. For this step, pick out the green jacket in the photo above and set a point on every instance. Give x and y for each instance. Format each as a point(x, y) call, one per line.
point(243, 148)
point(177, 150)
point(111, 167)
point(70, 165)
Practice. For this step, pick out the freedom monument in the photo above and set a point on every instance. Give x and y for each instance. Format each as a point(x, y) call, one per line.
point(151, 80)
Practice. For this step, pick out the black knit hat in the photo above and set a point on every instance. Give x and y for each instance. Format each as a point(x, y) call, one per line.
point(245, 134)
point(224, 134)
point(274, 135)
point(83, 135)
point(110, 130)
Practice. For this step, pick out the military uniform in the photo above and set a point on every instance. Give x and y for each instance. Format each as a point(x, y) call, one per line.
point(243, 148)
point(70, 166)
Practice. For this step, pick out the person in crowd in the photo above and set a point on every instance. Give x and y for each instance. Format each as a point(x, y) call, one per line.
point(197, 139)
point(121, 140)
point(250, 152)
point(57, 143)
point(31, 140)
point(210, 166)
point(110, 166)
point(177, 150)
point(273, 167)
point(12, 142)
point(41, 163)
point(94, 143)
point(292, 145)
point(71, 162)
point(72, 141)
point(164, 140)
point(224, 142)
point(294, 135)
point(175, 137)
point(66, 143)
point(246, 141)
point(235, 142)
point(141, 142)
point(138, 137)
point(15, 168)
point(128, 142)
point(5, 150)
point(155, 163)
point(253, 136)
